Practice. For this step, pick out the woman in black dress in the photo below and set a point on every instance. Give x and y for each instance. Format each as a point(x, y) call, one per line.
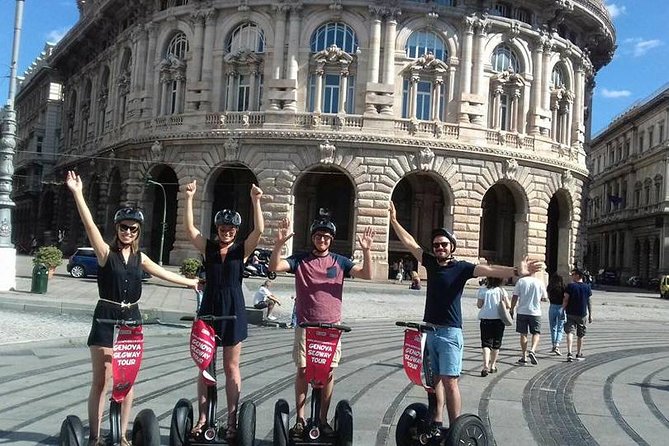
point(120, 286)
point(224, 262)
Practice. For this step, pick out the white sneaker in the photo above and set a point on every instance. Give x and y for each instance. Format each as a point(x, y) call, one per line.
point(271, 318)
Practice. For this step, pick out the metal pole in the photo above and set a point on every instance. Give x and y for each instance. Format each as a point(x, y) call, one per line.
point(7, 145)
point(162, 226)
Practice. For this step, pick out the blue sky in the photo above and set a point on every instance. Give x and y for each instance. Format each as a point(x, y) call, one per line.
point(640, 65)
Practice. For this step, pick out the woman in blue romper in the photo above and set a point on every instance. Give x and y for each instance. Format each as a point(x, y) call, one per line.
point(120, 266)
point(224, 262)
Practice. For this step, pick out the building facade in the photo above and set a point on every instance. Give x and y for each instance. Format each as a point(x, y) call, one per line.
point(627, 205)
point(469, 114)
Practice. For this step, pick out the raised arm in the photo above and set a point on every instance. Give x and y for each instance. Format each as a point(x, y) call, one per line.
point(258, 222)
point(283, 234)
point(192, 232)
point(98, 244)
point(154, 269)
point(407, 239)
point(364, 270)
point(526, 268)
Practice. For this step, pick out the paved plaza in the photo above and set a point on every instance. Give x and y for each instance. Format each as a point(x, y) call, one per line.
point(617, 396)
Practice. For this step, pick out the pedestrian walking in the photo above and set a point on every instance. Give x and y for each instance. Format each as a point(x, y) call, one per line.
point(489, 298)
point(556, 315)
point(319, 284)
point(528, 294)
point(224, 260)
point(446, 279)
point(120, 266)
point(577, 305)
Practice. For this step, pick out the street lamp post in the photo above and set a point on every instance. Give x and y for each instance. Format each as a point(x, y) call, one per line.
point(163, 224)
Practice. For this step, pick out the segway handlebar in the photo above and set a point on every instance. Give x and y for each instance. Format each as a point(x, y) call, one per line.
point(208, 318)
point(415, 325)
point(126, 322)
point(344, 328)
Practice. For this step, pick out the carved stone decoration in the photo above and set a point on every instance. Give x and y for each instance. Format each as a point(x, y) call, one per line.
point(514, 30)
point(567, 180)
point(425, 159)
point(156, 149)
point(327, 150)
point(231, 149)
point(427, 64)
point(412, 126)
point(510, 169)
point(315, 120)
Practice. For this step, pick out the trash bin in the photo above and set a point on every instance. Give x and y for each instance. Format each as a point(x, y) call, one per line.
point(40, 279)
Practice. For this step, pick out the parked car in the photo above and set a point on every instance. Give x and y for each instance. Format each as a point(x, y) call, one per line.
point(608, 277)
point(83, 263)
point(664, 287)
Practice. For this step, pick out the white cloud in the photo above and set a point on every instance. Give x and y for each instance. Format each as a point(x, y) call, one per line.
point(641, 47)
point(615, 10)
point(55, 35)
point(615, 94)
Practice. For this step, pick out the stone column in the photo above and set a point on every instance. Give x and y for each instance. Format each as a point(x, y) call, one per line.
point(343, 90)
point(374, 46)
point(208, 60)
point(478, 61)
point(293, 48)
point(318, 99)
point(513, 121)
point(279, 41)
point(230, 100)
point(253, 79)
point(436, 99)
point(413, 92)
point(389, 57)
point(164, 101)
point(198, 44)
point(181, 88)
point(545, 90)
point(537, 85)
point(466, 67)
point(579, 92)
point(497, 108)
point(151, 104)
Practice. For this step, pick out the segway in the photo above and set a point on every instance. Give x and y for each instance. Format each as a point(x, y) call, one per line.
point(128, 349)
point(414, 425)
point(321, 341)
point(203, 352)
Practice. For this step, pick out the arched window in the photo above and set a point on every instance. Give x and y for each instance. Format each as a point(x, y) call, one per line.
point(561, 104)
point(123, 84)
point(424, 42)
point(504, 58)
point(334, 33)
point(558, 78)
point(424, 89)
point(247, 36)
point(332, 79)
point(85, 110)
point(173, 75)
point(103, 96)
point(71, 117)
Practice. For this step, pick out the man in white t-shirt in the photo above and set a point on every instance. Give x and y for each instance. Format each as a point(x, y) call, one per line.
point(528, 294)
point(265, 299)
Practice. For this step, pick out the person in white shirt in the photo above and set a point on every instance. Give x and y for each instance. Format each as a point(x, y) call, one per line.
point(528, 294)
point(265, 299)
point(492, 328)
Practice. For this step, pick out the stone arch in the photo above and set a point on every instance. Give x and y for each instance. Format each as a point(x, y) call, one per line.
point(313, 21)
point(227, 24)
point(558, 233)
point(567, 68)
point(166, 34)
point(228, 186)
point(312, 190)
point(446, 31)
point(524, 54)
point(155, 207)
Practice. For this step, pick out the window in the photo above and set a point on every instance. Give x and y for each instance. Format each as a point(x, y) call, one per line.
point(558, 77)
point(173, 75)
point(502, 9)
point(178, 46)
point(504, 58)
point(522, 14)
point(650, 138)
point(424, 42)
point(339, 34)
point(660, 133)
point(247, 36)
point(504, 112)
point(640, 142)
point(243, 90)
point(38, 146)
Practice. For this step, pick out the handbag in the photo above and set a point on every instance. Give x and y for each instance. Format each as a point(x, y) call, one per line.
point(504, 314)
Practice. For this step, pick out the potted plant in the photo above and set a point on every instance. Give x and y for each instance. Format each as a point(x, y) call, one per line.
point(49, 256)
point(190, 267)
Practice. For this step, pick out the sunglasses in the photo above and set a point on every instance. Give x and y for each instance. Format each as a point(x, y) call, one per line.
point(440, 244)
point(323, 236)
point(126, 228)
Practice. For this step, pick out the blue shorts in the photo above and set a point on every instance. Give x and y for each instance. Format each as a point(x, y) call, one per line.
point(446, 346)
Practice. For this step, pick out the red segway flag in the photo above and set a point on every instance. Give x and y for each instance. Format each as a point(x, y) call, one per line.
point(203, 348)
point(127, 357)
point(321, 347)
point(412, 356)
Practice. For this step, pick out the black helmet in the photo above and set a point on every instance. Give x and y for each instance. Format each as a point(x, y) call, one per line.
point(451, 238)
point(129, 214)
point(323, 223)
point(228, 217)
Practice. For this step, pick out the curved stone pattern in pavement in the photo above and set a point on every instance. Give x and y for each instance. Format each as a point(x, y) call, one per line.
point(618, 395)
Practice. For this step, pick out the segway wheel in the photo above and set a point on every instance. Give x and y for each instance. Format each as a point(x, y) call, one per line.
point(182, 422)
point(412, 418)
point(343, 423)
point(281, 420)
point(271, 275)
point(469, 430)
point(246, 424)
point(71, 432)
point(145, 429)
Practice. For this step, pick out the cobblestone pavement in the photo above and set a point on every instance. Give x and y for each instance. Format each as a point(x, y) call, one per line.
point(618, 395)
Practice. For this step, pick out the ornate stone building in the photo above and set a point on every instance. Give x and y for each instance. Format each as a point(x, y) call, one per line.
point(470, 114)
point(627, 214)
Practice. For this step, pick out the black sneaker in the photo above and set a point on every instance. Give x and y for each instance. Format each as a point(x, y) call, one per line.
point(533, 358)
point(570, 357)
point(579, 357)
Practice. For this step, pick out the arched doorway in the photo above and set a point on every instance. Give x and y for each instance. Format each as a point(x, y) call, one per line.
point(229, 187)
point(500, 214)
point(421, 206)
point(154, 206)
point(113, 202)
point(330, 188)
point(557, 235)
